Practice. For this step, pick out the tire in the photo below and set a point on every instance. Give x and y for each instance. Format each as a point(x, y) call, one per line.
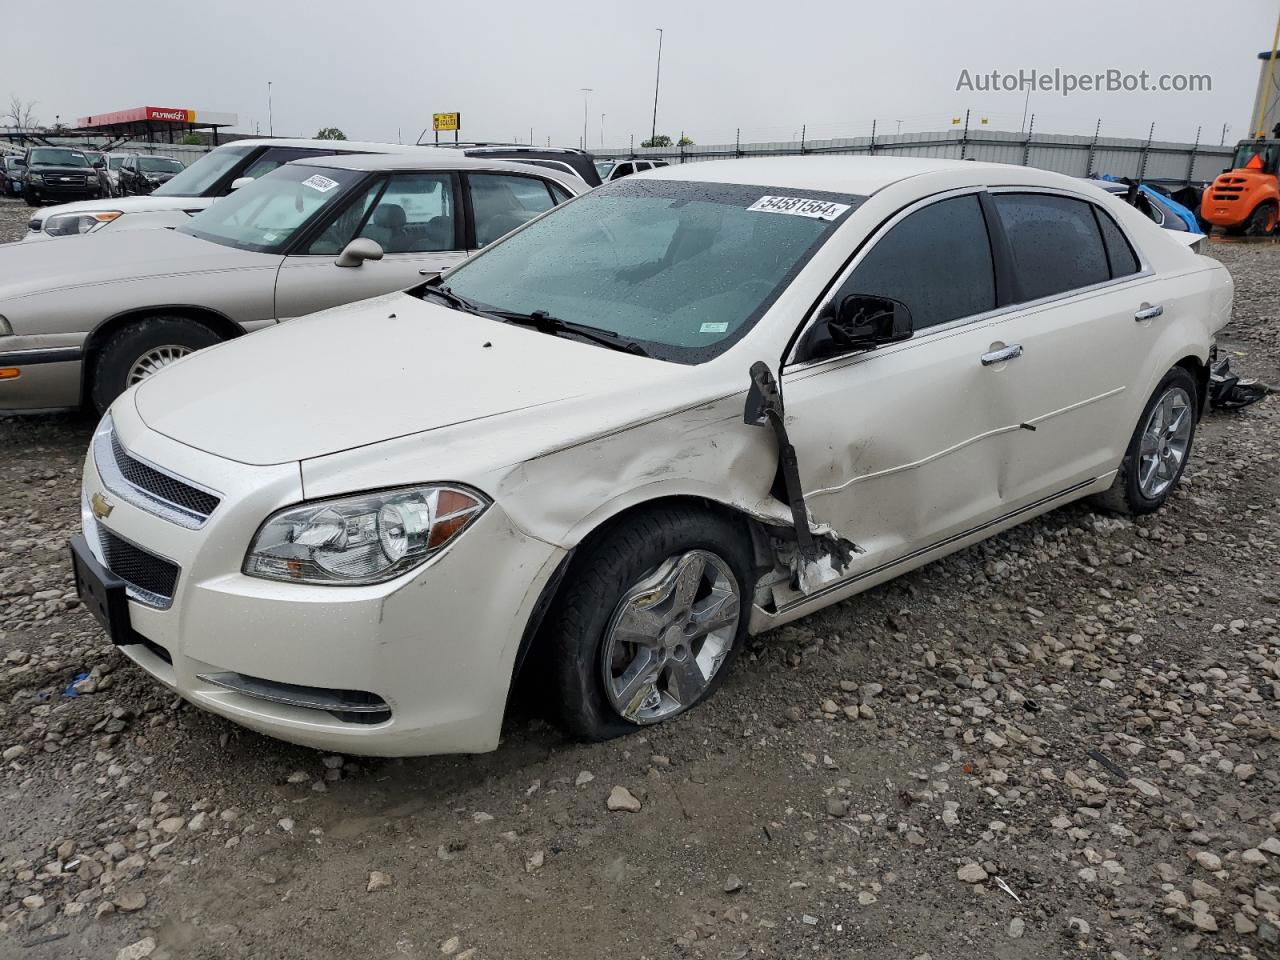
point(128, 345)
point(1127, 494)
point(1262, 222)
point(580, 623)
point(31, 201)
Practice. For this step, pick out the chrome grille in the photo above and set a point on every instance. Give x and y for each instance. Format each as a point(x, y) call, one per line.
point(152, 579)
point(147, 486)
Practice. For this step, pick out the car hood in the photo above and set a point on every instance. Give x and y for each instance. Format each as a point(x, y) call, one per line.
point(371, 371)
point(113, 257)
point(147, 204)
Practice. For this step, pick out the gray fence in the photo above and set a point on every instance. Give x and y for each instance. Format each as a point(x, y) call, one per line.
point(1158, 160)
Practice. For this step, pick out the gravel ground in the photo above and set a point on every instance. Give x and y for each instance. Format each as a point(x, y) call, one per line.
point(1061, 742)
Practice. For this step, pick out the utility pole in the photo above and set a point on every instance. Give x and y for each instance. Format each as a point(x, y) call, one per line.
point(1264, 92)
point(1225, 128)
point(602, 129)
point(586, 95)
point(271, 125)
point(657, 77)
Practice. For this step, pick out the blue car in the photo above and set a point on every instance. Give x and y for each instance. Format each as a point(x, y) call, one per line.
point(1166, 212)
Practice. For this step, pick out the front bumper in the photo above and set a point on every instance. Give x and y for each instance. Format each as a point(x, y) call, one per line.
point(436, 646)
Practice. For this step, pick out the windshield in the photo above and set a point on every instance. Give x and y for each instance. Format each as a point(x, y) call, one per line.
point(54, 156)
point(264, 216)
point(1266, 152)
point(203, 175)
point(113, 163)
point(604, 166)
point(159, 165)
point(683, 269)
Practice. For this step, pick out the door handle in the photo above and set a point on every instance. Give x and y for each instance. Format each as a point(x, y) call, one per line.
point(1011, 352)
point(1148, 312)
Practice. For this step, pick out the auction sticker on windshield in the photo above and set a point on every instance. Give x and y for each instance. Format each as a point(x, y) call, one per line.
point(800, 207)
point(323, 184)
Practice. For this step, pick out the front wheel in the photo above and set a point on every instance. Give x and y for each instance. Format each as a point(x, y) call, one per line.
point(1262, 222)
point(142, 349)
point(1159, 448)
point(649, 621)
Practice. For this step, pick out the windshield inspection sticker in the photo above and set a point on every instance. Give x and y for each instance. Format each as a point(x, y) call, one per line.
point(800, 207)
point(323, 184)
point(714, 328)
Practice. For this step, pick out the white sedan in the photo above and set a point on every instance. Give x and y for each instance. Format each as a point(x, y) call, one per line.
point(573, 451)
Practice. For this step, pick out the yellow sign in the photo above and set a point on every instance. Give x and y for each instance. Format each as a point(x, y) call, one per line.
point(446, 121)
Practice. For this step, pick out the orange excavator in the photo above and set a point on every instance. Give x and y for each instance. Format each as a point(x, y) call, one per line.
point(1245, 200)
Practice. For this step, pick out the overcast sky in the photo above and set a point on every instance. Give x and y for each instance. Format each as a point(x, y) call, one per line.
point(378, 69)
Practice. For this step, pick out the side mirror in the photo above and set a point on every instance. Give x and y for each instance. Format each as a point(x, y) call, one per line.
point(239, 182)
point(864, 323)
point(859, 322)
point(358, 251)
point(19, 161)
point(99, 164)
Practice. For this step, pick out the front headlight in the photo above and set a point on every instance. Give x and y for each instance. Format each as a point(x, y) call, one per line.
point(369, 538)
point(36, 177)
point(69, 224)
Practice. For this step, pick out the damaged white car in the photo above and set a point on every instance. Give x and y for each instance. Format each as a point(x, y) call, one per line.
point(685, 407)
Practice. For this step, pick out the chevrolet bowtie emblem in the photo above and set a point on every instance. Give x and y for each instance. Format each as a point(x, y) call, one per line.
point(101, 506)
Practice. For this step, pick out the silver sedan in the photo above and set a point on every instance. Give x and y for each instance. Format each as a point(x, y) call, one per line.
point(83, 319)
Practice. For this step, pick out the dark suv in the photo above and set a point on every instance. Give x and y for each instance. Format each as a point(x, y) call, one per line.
point(141, 174)
point(59, 174)
point(578, 162)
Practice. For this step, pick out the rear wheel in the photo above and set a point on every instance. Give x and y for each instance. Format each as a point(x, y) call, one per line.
point(142, 349)
point(649, 621)
point(1159, 448)
point(1262, 222)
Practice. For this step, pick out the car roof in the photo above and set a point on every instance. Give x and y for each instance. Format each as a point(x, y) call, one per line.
point(372, 146)
point(860, 176)
point(427, 159)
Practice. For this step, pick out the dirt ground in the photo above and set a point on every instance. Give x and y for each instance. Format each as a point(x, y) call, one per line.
point(1059, 743)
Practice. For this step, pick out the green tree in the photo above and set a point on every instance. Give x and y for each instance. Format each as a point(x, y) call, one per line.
point(684, 141)
point(192, 140)
point(331, 133)
point(660, 140)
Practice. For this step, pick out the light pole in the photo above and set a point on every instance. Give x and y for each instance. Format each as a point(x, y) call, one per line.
point(602, 129)
point(657, 77)
point(271, 126)
point(586, 96)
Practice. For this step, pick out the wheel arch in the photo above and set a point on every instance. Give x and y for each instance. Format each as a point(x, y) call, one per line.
point(599, 523)
point(218, 322)
point(1199, 370)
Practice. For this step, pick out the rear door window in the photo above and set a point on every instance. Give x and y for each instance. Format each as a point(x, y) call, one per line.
point(937, 261)
point(502, 202)
point(1056, 243)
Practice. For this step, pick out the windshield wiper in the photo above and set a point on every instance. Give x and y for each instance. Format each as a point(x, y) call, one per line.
point(543, 322)
point(454, 300)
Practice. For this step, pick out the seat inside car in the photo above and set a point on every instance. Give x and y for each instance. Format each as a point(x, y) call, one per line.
point(386, 227)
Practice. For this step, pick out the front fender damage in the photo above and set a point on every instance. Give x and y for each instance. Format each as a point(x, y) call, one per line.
point(821, 555)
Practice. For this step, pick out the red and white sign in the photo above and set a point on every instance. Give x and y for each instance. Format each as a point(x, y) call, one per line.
point(182, 115)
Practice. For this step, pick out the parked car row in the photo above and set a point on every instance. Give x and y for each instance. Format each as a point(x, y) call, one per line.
point(601, 433)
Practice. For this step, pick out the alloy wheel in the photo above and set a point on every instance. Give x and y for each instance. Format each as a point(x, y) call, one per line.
point(669, 636)
point(1166, 437)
